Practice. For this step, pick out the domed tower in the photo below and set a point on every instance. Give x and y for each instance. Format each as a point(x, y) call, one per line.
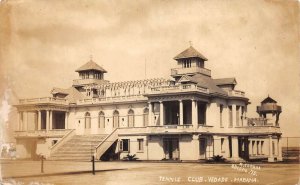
point(269, 110)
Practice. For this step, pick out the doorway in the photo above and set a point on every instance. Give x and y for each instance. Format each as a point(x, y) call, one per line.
point(202, 148)
point(171, 148)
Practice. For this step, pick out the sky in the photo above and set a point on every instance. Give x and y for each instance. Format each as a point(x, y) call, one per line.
point(255, 41)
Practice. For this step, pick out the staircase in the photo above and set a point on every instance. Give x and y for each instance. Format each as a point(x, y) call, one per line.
point(78, 148)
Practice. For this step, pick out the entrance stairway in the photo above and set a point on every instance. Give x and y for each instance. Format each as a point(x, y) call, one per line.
point(78, 148)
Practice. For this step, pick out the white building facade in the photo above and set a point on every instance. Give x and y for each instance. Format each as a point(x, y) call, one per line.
point(192, 117)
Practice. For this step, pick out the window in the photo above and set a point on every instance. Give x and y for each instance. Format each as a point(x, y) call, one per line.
point(115, 119)
point(124, 145)
point(101, 120)
point(221, 116)
point(130, 118)
point(230, 116)
point(140, 145)
point(146, 116)
point(262, 147)
point(222, 145)
point(87, 120)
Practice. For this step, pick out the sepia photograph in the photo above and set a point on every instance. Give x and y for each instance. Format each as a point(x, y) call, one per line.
point(145, 92)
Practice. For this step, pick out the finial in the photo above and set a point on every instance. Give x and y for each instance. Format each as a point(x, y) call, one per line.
point(91, 57)
point(190, 43)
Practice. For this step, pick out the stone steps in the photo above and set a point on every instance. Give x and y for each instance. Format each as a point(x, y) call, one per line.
point(78, 148)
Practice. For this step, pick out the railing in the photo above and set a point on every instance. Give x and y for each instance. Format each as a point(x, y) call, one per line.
point(236, 93)
point(258, 129)
point(268, 107)
point(86, 81)
point(106, 143)
point(159, 129)
point(257, 121)
point(110, 99)
point(179, 88)
point(44, 100)
point(42, 133)
point(63, 140)
point(191, 70)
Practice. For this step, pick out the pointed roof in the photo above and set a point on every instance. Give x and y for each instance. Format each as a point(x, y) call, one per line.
point(190, 53)
point(269, 100)
point(91, 65)
point(72, 94)
point(225, 81)
point(207, 82)
point(186, 78)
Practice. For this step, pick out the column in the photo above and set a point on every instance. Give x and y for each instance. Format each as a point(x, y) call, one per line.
point(39, 120)
point(51, 120)
point(180, 112)
point(235, 148)
point(150, 120)
point(258, 147)
point(250, 148)
point(279, 158)
point(254, 147)
point(194, 113)
point(66, 120)
point(217, 145)
point(47, 120)
point(234, 116)
point(25, 119)
point(271, 157)
point(20, 124)
point(237, 116)
point(161, 113)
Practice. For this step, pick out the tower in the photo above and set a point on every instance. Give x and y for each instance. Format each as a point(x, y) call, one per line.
point(89, 73)
point(269, 110)
point(190, 62)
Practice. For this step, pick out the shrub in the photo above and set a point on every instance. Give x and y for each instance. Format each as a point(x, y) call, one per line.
point(130, 157)
point(217, 159)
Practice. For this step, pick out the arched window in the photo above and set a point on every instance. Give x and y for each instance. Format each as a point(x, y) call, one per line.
point(145, 117)
point(87, 120)
point(130, 118)
point(115, 119)
point(101, 120)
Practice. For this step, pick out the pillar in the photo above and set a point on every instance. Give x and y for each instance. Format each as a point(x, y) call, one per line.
point(161, 113)
point(20, 118)
point(254, 147)
point(271, 157)
point(39, 120)
point(47, 120)
point(25, 120)
point(258, 147)
point(180, 112)
point(234, 123)
point(237, 116)
point(51, 120)
point(235, 148)
point(279, 158)
point(66, 120)
point(250, 148)
point(194, 113)
point(150, 119)
point(217, 145)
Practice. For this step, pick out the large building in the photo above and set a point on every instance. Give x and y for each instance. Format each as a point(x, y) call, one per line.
point(190, 117)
